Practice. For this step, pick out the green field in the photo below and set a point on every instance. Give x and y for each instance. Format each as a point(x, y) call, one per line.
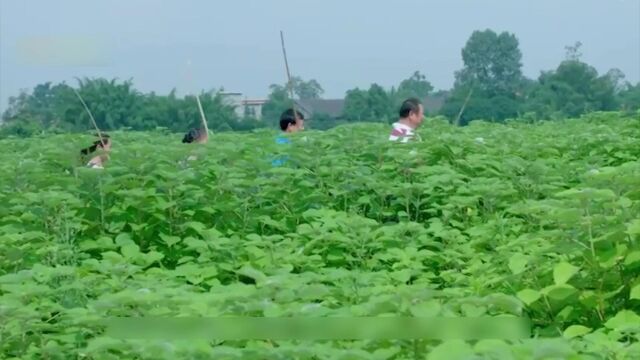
point(534, 220)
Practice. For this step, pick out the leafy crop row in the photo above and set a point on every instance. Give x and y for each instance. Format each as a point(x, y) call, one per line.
point(540, 221)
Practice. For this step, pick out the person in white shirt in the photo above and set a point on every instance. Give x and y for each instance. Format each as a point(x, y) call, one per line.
point(98, 161)
point(411, 116)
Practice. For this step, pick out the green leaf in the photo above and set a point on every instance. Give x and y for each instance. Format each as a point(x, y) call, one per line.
point(170, 240)
point(562, 272)
point(504, 302)
point(102, 343)
point(559, 292)
point(635, 292)
point(633, 228)
point(124, 239)
point(130, 251)
point(625, 202)
point(472, 310)
point(589, 299)
point(624, 320)
point(451, 350)
point(552, 349)
point(564, 314)
point(112, 257)
point(632, 258)
point(493, 349)
point(631, 352)
point(187, 269)
point(152, 257)
point(401, 275)
point(195, 273)
point(312, 292)
point(195, 244)
point(250, 272)
point(529, 296)
point(610, 294)
point(198, 227)
point(254, 238)
point(518, 263)
point(429, 308)
point(575, 330)
point(385, 353)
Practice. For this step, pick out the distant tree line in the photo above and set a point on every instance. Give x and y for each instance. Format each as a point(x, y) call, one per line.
point(490, 86)
point(114, 105)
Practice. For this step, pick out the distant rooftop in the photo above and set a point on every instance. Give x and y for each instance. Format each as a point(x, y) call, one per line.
point(254, 101)
point(331, 107)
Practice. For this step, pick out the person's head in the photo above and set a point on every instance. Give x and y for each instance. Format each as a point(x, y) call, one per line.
point(197, 136)
point(411, 112)
point(105, 144)
point(289, 123)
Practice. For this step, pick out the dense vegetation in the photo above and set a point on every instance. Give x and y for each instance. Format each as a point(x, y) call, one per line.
point(534, 220)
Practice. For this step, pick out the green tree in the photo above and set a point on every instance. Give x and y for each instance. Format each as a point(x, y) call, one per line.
point(573, 52)
point(380, 103)
point(630, 98)
point(356, 105)
point(47, 106)
point(374, 104)
point(166, 111)
point(322, 121)
point(490, 86)
point(574, 88)
point(114, 105)
point(492, 62)
point(306, 89)
point(415, 86)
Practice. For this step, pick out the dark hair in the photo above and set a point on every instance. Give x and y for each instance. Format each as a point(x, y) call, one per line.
point(193, 135)
point(287, 118)
point(409, 106)
point(96, 144)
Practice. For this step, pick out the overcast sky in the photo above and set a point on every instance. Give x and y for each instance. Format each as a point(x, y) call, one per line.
point(235, 44)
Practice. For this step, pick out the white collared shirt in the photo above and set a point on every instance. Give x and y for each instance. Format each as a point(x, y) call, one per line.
point(403, 133)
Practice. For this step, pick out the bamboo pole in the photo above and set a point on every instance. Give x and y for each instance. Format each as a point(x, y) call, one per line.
point(289, 83)
point(202, 116)
point(90, 116)
point(464, 105)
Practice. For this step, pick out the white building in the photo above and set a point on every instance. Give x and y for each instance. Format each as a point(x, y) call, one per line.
point(244, 107)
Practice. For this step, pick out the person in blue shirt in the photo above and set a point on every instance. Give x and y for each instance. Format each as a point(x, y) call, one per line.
point(289, 123)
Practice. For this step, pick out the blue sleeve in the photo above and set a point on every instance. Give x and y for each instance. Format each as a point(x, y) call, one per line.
point(282, 159)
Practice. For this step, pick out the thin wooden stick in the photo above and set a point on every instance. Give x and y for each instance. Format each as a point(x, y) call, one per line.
point(202, 117)
point(91, 116)
point(290, 84)
point(204, 120)
point(464, 105)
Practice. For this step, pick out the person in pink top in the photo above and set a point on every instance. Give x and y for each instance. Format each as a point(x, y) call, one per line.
point(411, 116)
